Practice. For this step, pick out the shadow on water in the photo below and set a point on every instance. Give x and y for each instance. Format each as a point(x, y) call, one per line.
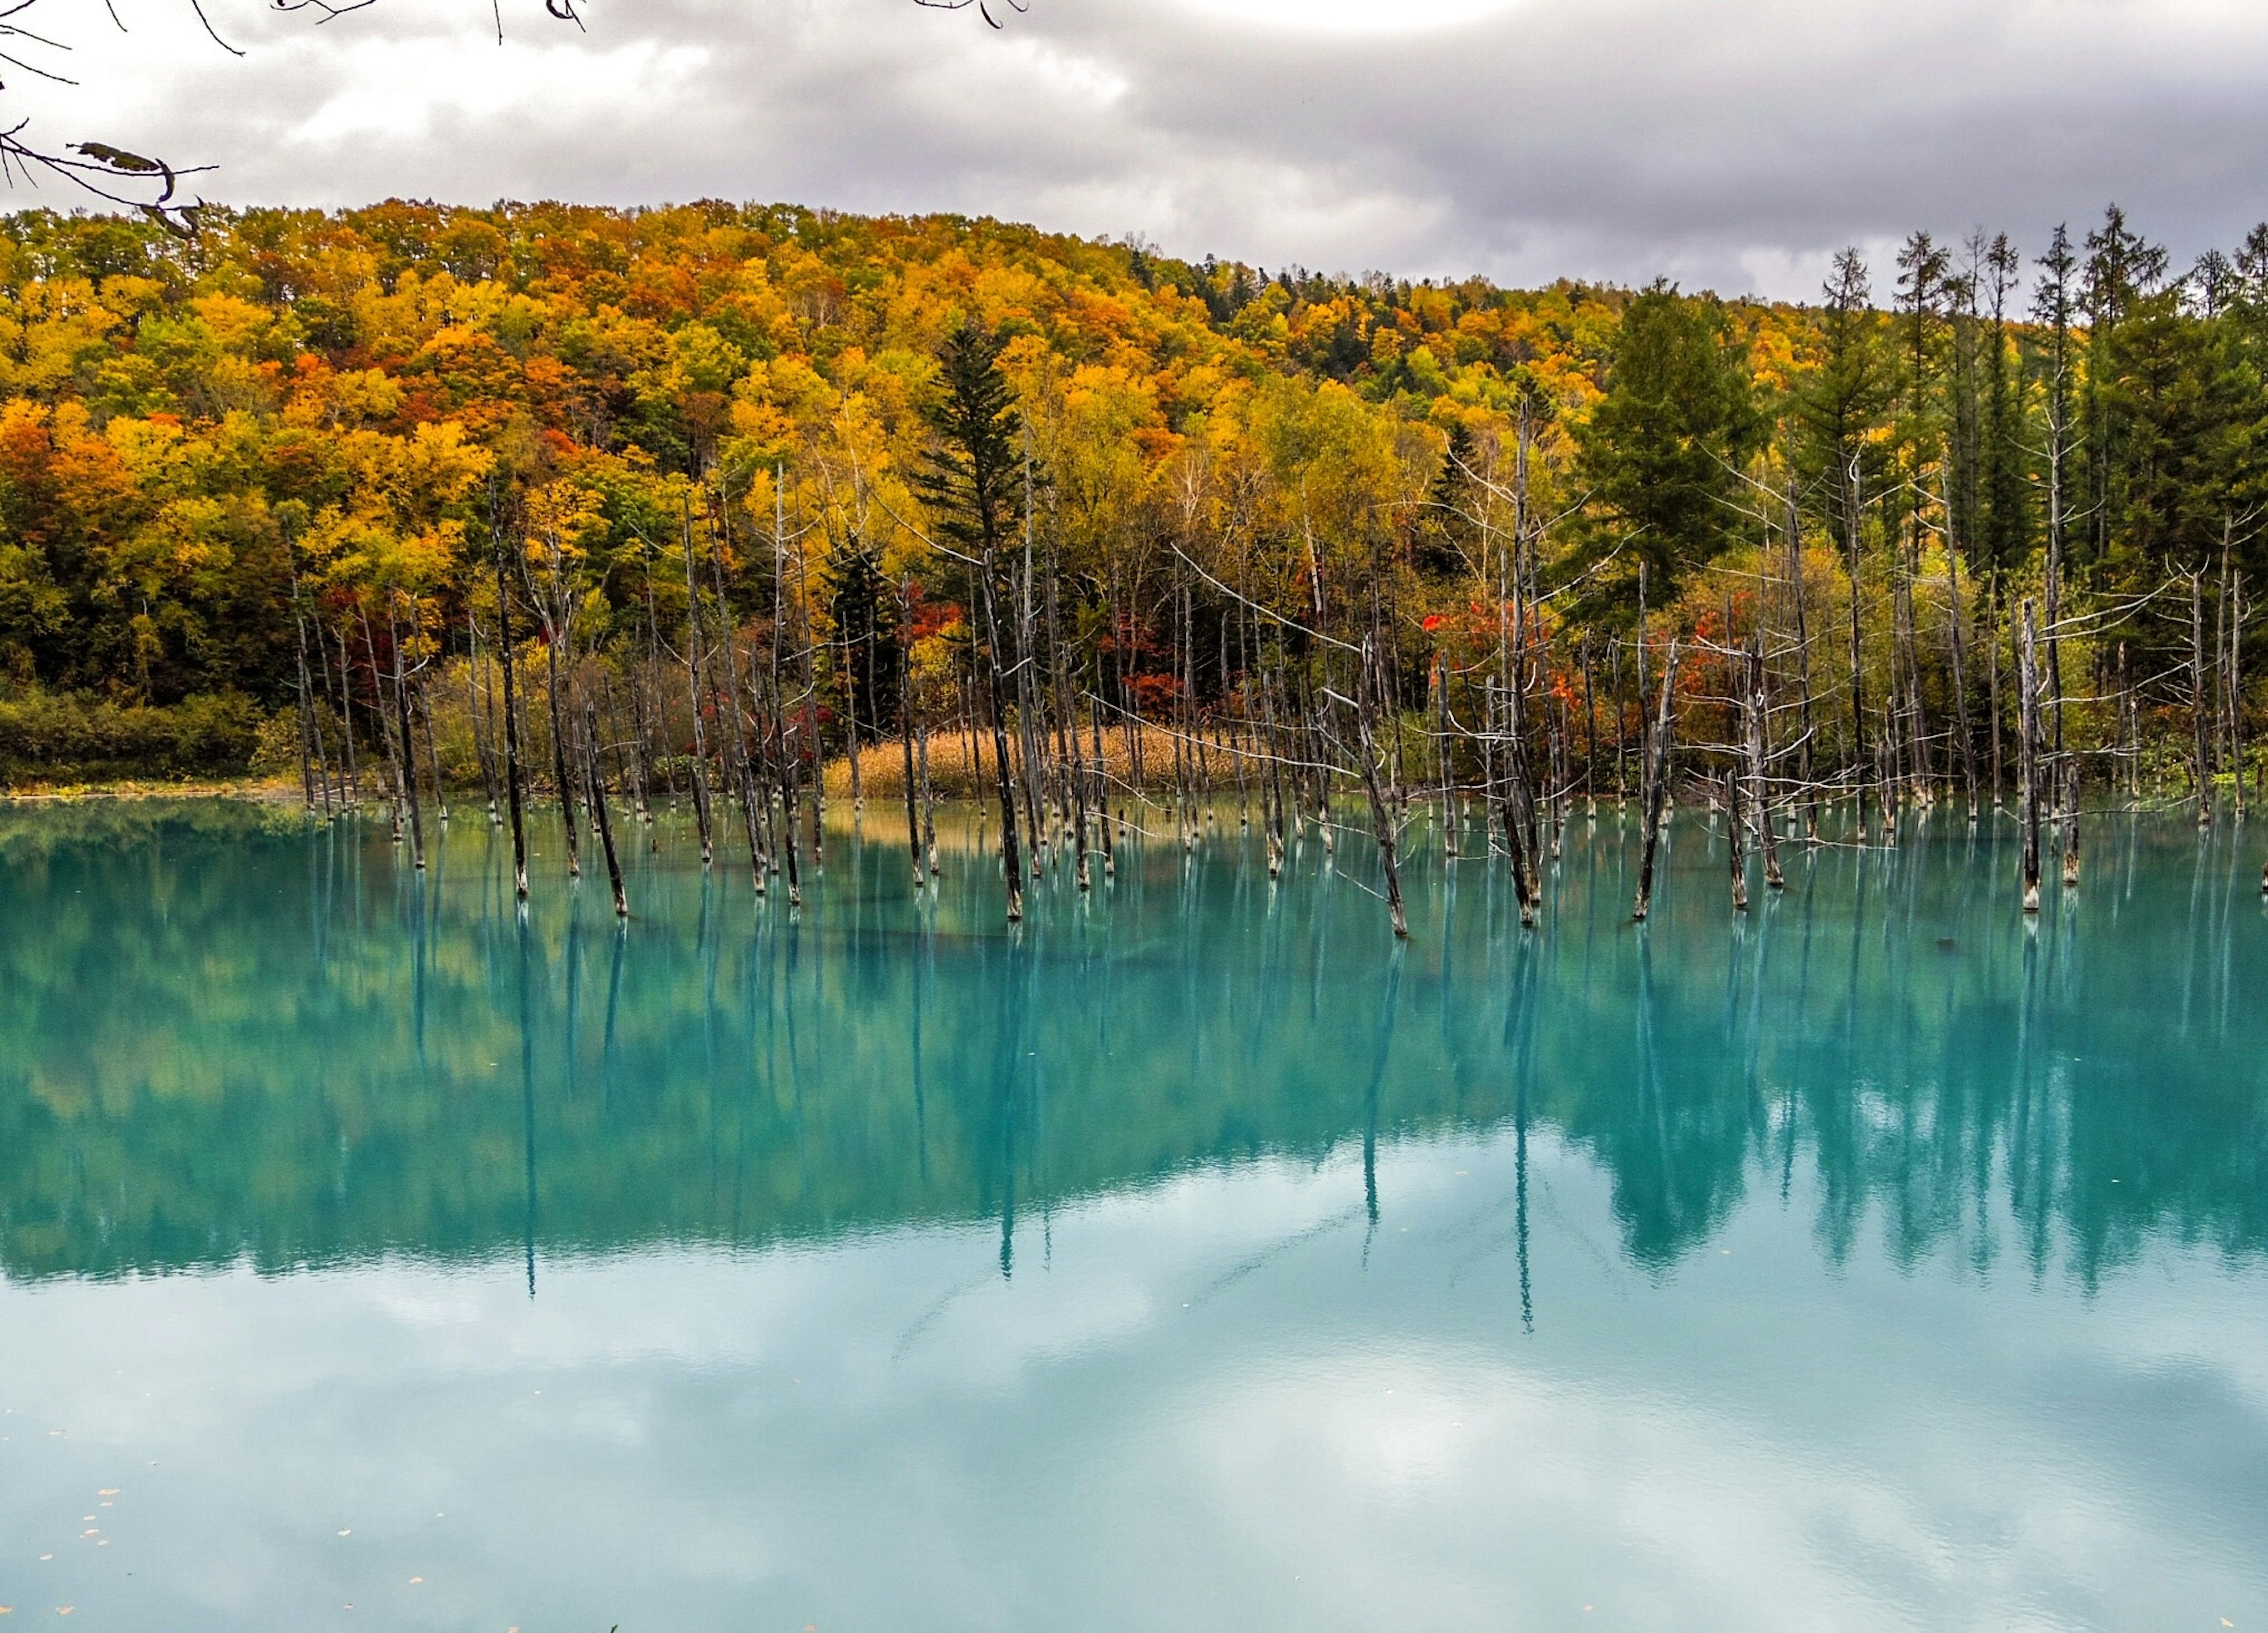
point(231, 1037)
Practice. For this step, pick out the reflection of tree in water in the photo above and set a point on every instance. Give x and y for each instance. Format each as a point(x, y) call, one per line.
point(230, 1039)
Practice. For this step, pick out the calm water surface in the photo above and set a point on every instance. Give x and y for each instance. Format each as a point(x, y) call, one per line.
point(1193, 1258)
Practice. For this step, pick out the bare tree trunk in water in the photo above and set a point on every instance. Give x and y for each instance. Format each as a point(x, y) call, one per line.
point(1012, 860)
point(2130, 711)
point(388, 749)
point(1736, 839)
point(306, 709)
point(1101, 792)
point(559, 732)
point(1999, 764)
point(1506, 803)
point(701, 816)
point(323, 682)
point(346, 722)
point(433, 752)
point(1953, 622)
point(405, 765)
point(2028, 754)
point(906, 722)
point(511, 713)
point(597, 778)
point(2197, 691)
point(1798, 598)
point(1655, 787)
point(791, 797)
point(2234, 688)
point(1759, 797)
point(483, 734)
point(1736, 835)
point(1447, 743)
point(1075, 778)
point(1381, 820)
point(1858, 683)
point(929, 805)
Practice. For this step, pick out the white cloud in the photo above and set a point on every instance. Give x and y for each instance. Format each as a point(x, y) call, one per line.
point(404, 91)
point(1351, 16)
point(1735, 145)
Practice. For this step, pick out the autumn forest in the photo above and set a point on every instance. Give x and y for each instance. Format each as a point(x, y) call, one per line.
point(749, 508)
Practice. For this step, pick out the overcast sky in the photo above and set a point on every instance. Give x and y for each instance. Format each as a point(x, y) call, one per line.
point(1727, 143)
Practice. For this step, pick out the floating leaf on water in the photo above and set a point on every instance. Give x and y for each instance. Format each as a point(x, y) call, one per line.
point(413, 1581)
point(348, 1532)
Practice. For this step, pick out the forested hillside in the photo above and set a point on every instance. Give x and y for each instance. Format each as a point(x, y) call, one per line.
point(261, 489)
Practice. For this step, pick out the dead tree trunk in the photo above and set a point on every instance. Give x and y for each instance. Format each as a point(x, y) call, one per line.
point(1736, 838)
point(702, 818)
point(512, 783)
point(433, 752)
point(1381, 819)
point(2028, 754)
point(477, 701)
point(1858, 679)
point(346, 722)
point(2234, 688)
point(1954, 623)
point(596, 774)
point(307, 751)
point(1759, 787)
point(1800, 601)
point(1444, 752)
point(1012, 860)
point(405, 764)
point(559, 730)
point(2199, 687)
point(1654, 784)
point(906, 722)
point(1999, 764)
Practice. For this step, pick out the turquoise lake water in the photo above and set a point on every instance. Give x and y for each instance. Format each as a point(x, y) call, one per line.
point(1192, 1258)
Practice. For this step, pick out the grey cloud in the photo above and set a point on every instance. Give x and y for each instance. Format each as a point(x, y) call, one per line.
point(1733, 145)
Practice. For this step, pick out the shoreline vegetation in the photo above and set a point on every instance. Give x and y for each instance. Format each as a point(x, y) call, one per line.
point(756, 508)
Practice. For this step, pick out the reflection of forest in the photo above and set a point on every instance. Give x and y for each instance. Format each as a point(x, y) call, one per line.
point(226, 1039)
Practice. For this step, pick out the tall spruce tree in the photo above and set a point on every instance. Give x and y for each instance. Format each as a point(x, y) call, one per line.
point(2005, 532)
point(1838, 408)
point(2121, 268)
point(970, 484)
point(1661, 452)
